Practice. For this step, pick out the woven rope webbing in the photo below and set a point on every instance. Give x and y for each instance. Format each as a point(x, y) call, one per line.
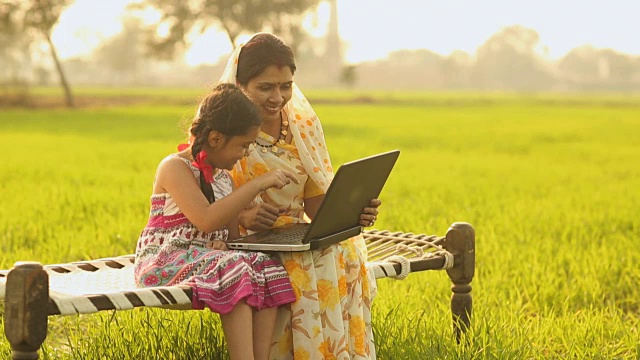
point(106, 284)
point(382, 244)
point(395, 254)
point(103, 284)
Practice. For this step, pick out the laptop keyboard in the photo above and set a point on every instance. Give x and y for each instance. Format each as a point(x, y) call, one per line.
point(293, 236)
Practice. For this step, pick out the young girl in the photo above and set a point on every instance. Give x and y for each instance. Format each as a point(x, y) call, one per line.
point(194, 211)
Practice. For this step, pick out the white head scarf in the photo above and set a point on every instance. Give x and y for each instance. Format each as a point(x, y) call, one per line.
point(305, 128)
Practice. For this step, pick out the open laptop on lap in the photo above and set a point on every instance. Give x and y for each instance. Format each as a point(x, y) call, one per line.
point(338, 218)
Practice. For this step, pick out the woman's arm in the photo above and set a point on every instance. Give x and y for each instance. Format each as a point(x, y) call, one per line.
point(234, 231)
point(312, 204)
point(175, 177)
point(258, 217)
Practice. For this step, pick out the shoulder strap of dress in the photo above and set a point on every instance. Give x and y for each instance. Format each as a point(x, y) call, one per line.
point(186, 161)
point(194, 169)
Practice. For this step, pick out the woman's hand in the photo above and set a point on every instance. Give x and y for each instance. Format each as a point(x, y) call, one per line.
point(217, 245)
point(370, 213)
point(259, 217)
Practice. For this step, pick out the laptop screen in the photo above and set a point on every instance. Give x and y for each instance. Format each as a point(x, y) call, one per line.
point(354, 185)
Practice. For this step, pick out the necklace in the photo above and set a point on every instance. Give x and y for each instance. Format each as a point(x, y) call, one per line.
point(279, 141)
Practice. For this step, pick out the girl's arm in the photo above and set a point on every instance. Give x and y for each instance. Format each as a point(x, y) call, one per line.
point(175, 178)
point(233, 226)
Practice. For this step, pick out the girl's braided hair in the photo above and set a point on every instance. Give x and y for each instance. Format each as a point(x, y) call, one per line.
point(225, 109)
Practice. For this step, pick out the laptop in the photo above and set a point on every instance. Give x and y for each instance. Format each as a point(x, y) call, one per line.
point(338, 218)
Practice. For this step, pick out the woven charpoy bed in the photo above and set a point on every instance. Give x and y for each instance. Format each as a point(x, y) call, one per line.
point(33, 292)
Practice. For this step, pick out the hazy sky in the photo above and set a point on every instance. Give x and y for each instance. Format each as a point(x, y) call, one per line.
point(372, 28)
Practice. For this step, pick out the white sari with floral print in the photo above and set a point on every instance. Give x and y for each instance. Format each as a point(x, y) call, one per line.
point(331, 318)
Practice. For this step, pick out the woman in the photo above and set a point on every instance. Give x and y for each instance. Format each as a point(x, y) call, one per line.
point(331, 317)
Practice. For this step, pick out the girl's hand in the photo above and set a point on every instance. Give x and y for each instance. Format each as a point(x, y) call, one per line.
point(276, 179)
point(217, 245)
point(370, 213)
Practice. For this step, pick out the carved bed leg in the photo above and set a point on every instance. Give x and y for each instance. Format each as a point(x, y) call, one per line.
point(460, 241)
point(26, 309)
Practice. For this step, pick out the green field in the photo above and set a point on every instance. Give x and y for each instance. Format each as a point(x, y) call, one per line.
point(550, 183)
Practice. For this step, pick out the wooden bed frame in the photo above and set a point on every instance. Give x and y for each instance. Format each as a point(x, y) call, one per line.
point(33, 292)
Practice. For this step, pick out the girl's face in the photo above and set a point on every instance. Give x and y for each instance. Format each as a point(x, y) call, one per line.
point(226, 151)
point(270, 91)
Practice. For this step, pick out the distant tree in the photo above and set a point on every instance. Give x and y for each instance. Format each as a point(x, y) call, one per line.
point(580, 64)
point(25, 22)
point(288, 27)
point(349, 76)
point(620, 67)
point(39, 17)
point(456, 68)
point(15, 47)
point(121, 53)
point(415, 69)
point(9, 28)
point(403, 69)
point(587, 65)
point(180, 17)
point(42, 76)
point(511, 59)
point(414, 57)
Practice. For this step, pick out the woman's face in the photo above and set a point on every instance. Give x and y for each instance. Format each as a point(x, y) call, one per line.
point(270, 91)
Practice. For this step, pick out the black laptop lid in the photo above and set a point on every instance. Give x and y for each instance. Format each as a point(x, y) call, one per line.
point(354, 185)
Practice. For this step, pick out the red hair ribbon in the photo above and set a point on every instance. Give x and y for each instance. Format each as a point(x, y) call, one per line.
point(201, 163)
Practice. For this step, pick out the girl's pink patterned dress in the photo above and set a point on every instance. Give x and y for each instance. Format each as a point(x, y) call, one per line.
point(172, 251)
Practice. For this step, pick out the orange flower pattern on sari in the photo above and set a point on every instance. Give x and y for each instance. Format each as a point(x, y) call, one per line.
point(342, 286)
point(283, 220)
point(284, 342)
point(300, 279)
point(301, 354)
point(357, 326)
point(331, 318)
point(325, 349)
point(327, 295)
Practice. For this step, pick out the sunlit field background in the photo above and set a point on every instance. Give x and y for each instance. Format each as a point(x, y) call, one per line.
point(550, 183)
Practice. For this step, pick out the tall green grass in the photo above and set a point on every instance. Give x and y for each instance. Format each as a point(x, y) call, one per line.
point(550, 187)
